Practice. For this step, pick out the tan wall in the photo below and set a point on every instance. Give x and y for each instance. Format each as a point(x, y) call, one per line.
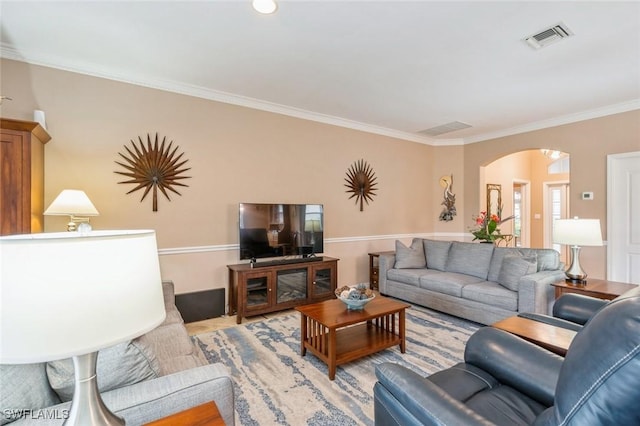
point(236, 154)
point(447, 161)
point(588, 142)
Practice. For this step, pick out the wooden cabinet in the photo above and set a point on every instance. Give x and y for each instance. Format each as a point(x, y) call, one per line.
point(21, 176)
point(374, 269)
point(264, 289)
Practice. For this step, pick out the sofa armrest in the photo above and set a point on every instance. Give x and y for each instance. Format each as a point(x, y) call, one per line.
point(160, 397)
point(402, 397)
point(385, 262)
point(153, 399)
point(516, 362)
point(577, 308)
point(535, 293)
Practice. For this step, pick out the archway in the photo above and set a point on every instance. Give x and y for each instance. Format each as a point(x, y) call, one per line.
point(531, 184)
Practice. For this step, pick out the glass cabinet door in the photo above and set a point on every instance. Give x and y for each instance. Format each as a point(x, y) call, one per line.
point(321, 285)
point(257, 291)
point(291, 284)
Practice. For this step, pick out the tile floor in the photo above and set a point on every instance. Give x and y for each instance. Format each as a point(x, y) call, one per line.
point(226, 321)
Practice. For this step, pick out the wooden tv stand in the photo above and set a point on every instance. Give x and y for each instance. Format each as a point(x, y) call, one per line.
point(257, 291)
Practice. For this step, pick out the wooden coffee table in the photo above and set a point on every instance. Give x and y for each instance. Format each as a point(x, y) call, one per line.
point(337, 335)
point(555, 339)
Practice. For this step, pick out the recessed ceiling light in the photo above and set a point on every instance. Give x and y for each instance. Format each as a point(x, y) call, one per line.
point(264, 6)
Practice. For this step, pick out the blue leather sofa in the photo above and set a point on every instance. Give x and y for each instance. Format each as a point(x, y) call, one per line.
point(505, 380)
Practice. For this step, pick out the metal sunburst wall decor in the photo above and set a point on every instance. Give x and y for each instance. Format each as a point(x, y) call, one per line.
point(152, 167)
point(361, 181)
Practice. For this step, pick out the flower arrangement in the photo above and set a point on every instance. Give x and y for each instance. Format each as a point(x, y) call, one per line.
point(487, 227)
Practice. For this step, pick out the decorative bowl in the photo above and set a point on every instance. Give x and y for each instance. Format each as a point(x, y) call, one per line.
point(353, 303)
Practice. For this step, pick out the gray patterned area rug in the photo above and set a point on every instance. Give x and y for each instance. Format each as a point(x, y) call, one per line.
point(274, 385)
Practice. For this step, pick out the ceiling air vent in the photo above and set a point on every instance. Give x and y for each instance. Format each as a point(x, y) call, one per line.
point(549, 36)
point(445, 128)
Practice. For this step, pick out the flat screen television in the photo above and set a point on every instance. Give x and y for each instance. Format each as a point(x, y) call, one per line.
point(280, 230)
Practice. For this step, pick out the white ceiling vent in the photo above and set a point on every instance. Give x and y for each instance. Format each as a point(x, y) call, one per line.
point(445, 128)
point(549, 36)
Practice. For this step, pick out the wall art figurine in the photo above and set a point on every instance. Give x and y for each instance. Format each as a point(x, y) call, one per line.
point(152, 167)
point(361, 181)
point(449, 202)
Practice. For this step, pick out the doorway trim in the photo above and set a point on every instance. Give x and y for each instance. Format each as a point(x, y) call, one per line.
point(613, 192)
point(547, 224)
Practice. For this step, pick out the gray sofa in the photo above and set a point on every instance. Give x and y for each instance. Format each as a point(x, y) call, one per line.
point(150, 377)
point(479, 282)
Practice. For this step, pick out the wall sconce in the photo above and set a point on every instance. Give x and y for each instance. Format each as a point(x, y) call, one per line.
point(76, 205)
point(577, 232)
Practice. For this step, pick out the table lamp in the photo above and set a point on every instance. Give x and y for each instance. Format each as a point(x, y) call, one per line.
point(75, 204)
point(50, 310)
point(576, 233)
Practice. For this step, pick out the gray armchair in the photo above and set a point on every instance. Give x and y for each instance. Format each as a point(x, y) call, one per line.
point(506, 380)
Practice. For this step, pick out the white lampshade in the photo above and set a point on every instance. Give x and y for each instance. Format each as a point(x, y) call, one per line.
point(577, 232)
point(72, 202)
point(64, 294)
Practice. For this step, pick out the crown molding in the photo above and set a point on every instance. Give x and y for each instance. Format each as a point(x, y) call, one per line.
point(94, 70)
point(204, 93)
point(558, 121)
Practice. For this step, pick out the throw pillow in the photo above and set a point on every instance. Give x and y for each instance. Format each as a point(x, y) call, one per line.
point(120, 365)
point(515, 267)
point(24, 387)
point(470, 259)
point(410, 257)
point(436, 253)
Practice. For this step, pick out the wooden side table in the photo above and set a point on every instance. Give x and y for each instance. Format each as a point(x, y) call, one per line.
point(602, 289)
point(202, 415)
point(374, 270)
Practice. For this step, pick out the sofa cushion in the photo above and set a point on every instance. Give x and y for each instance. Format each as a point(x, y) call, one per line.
point(496, 261)
point(120, 365)
point(470, 259)
point(450, 283)
point(410, 257)
point(492, 294)
point(548, 259)
point(515, 267)
point(170, 343)
point(409, 276)
point(24, 387)
point(436, 253)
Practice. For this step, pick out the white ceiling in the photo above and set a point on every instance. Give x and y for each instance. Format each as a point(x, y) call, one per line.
point(388, 67)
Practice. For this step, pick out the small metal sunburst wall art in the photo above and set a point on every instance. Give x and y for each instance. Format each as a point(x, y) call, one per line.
point(361, 182)
point(152, 167)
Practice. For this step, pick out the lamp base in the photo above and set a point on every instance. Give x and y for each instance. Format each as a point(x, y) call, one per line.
point(576, 281)
point(575, 274)
point(87, 407)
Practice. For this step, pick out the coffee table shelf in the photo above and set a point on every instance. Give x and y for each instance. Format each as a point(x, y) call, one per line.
point(337, 335)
